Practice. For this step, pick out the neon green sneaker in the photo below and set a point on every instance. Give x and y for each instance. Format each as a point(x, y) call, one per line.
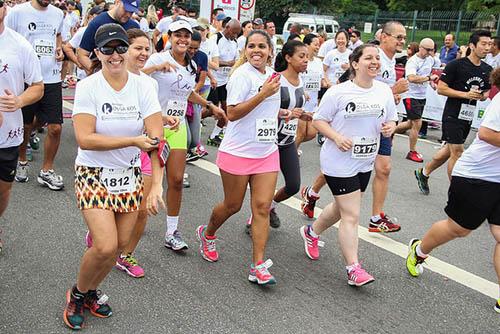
point(497, 306)
point(413, 261)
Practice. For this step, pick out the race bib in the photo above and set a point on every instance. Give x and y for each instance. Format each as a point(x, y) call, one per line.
point(265, 130)
point(225, 70)
point(118, 181)
point(339, 73)
point(44, 48)
point(176, 108)
point(290, 128)
point(312, 82)
point(467, 112)
point(364, 148)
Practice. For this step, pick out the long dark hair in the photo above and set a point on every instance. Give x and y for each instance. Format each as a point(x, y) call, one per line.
point(190, 63)
point(289, 49)
point(355, 56)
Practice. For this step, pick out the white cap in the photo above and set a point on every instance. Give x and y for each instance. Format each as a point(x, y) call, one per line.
point(180, 24)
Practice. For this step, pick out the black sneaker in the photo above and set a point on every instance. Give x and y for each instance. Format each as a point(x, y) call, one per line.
point(214, 141)
point(423, 181)
point(497, 306)
point(274, 220)
point(73, 313)
point(97, 304)
point(192, 156)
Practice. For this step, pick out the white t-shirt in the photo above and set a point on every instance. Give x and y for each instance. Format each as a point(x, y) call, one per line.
point(326, 47)
point(18, 65)
point(482, 160)
point(40, 28)
point(174, 88)
point(334, 59)
point(312, 82)
point(387, 72)
point(144, 25)
point(228, 51)
point(355, 45)
point(70, 21)
point(356, 113)
point(209, 47)
point(118, 114)
point(75, 43)
point(422, 68)
point(163, 24)
point(241, 43)
point(244, 137)
point(492, 61)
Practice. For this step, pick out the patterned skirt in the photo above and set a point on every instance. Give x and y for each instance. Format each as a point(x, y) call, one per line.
point(96, 190)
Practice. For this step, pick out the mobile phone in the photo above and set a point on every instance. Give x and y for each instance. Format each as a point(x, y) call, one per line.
point(274, 75)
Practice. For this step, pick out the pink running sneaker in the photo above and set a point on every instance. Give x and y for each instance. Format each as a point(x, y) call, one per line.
point(311, 244)
point(88, 239)
point(358, 276)
point(129, 265)
point(260, 273)
point(207, 246)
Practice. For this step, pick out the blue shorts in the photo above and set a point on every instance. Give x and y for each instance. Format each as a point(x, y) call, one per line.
point(385, 146)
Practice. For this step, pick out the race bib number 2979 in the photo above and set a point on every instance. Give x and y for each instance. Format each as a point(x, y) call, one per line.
point(265, 130)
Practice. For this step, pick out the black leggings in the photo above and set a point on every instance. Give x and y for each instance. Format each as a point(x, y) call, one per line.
point(289, 165)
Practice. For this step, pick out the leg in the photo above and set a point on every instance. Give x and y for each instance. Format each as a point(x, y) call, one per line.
point(51, 145)
point(5, 189)
point(349, 206)
point(380, 182)
point(495, 230)
point(415, 128)
point(328, 217)
point(195, 126)
point(319, 183)
point(301, 132)
point(290, 167)
point(235, 187)
point(440, 233)
point(176, 164)
point(403, 127)
point(262, 190)
point(439, 158)
point(311, 131)
point(456, 151)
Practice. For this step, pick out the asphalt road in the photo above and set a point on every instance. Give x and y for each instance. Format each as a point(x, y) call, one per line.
point(43, 233)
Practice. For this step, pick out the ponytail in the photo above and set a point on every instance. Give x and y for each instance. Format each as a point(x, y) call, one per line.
point(289, 49)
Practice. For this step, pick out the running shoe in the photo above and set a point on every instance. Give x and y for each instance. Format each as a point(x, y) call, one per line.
point(423, 181)
point(88, 239)
point(97, 303)
point(64, 84)
point(22, 171)
point(73, 312)
point(274, 220)
point(308, 202)
point(208, 249)
point(175, 242)
point(414, 263)
point(299, 152)
point(422, 136)
point(201, 151)
point(248, 226)
point(358, 276)
point(34, 141)
point(414, 156)
point(384, 225)
point(191, 155)
point(129, 265)
point(311, 244)
point(50, 179)
point(214, 141)
point(497, 306)
point(260, 273)
point(185, 181)
point(29, 153)
point(221, 135)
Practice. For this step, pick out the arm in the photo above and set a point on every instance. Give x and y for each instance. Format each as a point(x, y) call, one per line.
point(228, 63)
point(68, 50)
point(10, 102)
point(325, 76)
point(214, 63)
point(83, 57)
point(413, 78)
point(444, 89)
point(201, 81)
point(156, 33)
point(343, 143)
point(155, 130)
point(59, 53)
point(197, 99)
point(490, 136)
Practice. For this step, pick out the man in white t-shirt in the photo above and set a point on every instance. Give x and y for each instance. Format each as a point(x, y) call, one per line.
point(209, 47)
point(270, 28)
point(493, 58)
point(19, 66)
point(41, 24)
point(162, 27)
point(143, 23)
point(418, 71)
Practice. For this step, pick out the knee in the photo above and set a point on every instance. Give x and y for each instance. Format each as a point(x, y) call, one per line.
point(351, 218)
point(54, 130)
point(175, 182)
point(261, 208)
point(383, 169)
point(232, 207)
point(106, 251)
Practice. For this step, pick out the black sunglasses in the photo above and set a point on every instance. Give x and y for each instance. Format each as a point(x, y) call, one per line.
point(109, 50)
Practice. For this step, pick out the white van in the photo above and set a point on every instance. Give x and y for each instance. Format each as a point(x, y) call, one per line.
point(313, 22)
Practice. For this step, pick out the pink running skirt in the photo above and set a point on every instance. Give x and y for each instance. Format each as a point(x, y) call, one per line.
point(146, 167)
point(248, 166)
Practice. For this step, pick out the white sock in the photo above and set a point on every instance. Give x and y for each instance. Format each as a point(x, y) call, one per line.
point(419, 252)
point(215, 131)
point(311, 193)
point(273, 205)
point(424, 173)
point(351, 267)
point(376, 218)
point(312, 234)
point(172, 222)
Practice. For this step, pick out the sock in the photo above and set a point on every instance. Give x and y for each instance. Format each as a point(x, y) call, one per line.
point(172, 223)
point(311, 232)
point(312, 193)
point(273, 205)
point(420, 253)
point(215, 132)
point(351, 267)
point(375, 218)
point(424, 173)
point(76, 293)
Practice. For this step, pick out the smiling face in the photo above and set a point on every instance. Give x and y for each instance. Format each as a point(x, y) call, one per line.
point(193, 48)
point(395, 37)
point(341, 41)
point(258, 51)
point(313, 48)
point(138, 53)
point(368, 64)
point(120, 14)
point(114, 63)
point(180, 39)
point(299, 59)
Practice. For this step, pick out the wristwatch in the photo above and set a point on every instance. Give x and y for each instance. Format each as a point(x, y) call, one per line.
point(209, 104)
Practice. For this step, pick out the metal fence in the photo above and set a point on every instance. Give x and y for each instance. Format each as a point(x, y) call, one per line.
point(433, 24)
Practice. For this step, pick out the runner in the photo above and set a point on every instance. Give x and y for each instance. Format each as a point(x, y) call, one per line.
point(351, 116)
point(248, 154)
point(418, 71)
point(37, 21)
point(336, 61)
point(473, 196)
point(111, 109)
point(175, 90)
point(246, 28)
point(178, 11)
point(464, 81)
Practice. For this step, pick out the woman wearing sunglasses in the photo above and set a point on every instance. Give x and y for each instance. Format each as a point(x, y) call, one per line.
point(112, 107)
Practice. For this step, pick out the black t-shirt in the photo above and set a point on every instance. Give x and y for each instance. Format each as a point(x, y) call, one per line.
point(461, 74)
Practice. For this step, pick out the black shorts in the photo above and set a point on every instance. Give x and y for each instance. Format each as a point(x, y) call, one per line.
point(218, 95)
point(472, 201)
point(8, 163)
point(414, 108)
point(321, 92)
point(347, 185)
point(49, 109)
point(455, 131)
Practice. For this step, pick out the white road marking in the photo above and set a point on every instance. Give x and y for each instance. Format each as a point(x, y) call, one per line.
point(450, 271)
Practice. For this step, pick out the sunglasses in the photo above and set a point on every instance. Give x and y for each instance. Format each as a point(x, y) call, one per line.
point(109, 50)
point(427, 49)
point(399, 37)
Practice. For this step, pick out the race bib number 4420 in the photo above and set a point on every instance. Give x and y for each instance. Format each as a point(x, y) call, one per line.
point(118, 181)
point(290, 128)
point(364, 148)
point(265, 130)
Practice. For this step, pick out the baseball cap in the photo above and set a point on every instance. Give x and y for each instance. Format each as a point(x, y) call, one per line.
point(220, 17)
point(110, 32)
point(180, 24)
point(131, 6)
point(95, 10)
point(203, 23)
point(258, 21)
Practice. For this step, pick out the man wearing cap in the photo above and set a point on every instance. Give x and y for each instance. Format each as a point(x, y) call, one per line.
point(215, 23)
point(120, 14)
point(178, 11)
point(258, 24)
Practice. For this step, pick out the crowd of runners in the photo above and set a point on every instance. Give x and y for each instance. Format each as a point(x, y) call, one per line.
point(145, 84)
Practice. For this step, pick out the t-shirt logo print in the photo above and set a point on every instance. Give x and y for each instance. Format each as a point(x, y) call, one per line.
point(32, 26)
point(385, 75)
point(350, 107)
point(107, 108)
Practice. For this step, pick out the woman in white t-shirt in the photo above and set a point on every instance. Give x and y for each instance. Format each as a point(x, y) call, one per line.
point(112, 107)
point(175, 90)
point(351, 115)
point(248, 154)
point(246, 28)
point(336, 61)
